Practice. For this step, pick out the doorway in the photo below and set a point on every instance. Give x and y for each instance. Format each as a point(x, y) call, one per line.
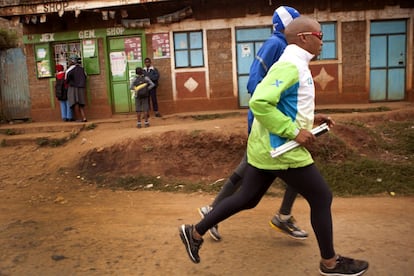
point(125, 54)
point(388, 60)
point(248, 43)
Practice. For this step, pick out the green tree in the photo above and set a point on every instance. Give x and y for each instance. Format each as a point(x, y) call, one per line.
point(8, 39)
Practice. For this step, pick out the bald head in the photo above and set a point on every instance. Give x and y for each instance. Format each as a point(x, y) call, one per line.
point(306, 33)
point(300, 25)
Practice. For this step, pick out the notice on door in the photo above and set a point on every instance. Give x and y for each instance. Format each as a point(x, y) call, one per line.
point(118, 63)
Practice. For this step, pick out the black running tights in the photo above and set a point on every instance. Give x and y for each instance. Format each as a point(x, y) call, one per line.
point(306, 180)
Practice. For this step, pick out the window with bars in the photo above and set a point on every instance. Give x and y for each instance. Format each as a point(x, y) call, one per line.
point(63, 51)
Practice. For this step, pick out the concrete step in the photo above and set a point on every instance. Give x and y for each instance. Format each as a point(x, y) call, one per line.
point(52, 139)
point(41, 134)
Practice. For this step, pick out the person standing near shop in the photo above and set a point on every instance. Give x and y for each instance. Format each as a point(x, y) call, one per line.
point(140, 87)
point(61, 92)
point(152, 72)
point(76, 79)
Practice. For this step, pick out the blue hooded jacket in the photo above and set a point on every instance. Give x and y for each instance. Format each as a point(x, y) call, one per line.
point(267, 55)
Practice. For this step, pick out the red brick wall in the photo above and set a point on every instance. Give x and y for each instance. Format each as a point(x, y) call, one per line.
point(220, 63)
point(164, 90)
point(326, 82)
point(98, 103)
point(354, 65)
point(218, 97)
point(40, 97)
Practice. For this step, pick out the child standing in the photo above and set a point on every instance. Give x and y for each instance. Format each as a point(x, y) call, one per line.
point(140, 87)
point(61, 91)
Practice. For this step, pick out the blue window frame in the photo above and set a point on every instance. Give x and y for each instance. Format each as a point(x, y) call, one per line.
point(329, 41)
point(188, 49)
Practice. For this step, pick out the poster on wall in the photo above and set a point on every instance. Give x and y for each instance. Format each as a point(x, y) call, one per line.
point(43, 64)
point(88, 48)
point(133, 49)
point(43, 69)
point(161, 45)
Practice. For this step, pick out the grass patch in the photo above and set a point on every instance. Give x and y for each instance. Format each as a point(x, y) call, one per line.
point(55, 142)
point(91, 126)
point(214, 116)
point(151, 183)
point(356, 174)
point(398, 137)
point(196, 133)
point(354, 110)
point(44, 141)
point(10, 132)
point(148, 148)
point(368, 177)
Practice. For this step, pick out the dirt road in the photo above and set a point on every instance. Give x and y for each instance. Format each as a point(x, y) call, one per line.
point(99, 232)
point(53, 222)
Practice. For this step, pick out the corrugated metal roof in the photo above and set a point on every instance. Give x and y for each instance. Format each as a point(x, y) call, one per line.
point(23, 7)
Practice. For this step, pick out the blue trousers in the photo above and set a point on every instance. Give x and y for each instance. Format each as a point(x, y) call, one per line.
point(65, 110)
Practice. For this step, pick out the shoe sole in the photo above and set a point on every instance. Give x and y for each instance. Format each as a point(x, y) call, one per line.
point(341, 274)
point(200, 212)
point(186, 242)
point(214, 237)
point(281, 231)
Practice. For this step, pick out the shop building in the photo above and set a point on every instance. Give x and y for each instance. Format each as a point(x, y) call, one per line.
point(203, 50)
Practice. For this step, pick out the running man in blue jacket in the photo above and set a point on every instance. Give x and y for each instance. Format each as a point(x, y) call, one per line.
point(267, 55)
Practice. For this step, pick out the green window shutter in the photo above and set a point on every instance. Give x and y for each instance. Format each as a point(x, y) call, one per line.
point(90, 57)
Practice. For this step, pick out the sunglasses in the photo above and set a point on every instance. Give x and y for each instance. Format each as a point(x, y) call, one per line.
point(317, 34)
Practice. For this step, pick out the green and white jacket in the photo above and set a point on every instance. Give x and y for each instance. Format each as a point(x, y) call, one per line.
point(282, 103)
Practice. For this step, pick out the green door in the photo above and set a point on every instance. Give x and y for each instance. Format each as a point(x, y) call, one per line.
point(125, 54)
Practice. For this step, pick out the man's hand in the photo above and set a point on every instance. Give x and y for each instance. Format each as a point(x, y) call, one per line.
point(305, 137)
point(321, 118)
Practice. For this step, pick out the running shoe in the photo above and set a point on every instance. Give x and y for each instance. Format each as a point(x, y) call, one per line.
point(288, 227)
point(213, 231)
point(192, 246)
point(345, 267)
